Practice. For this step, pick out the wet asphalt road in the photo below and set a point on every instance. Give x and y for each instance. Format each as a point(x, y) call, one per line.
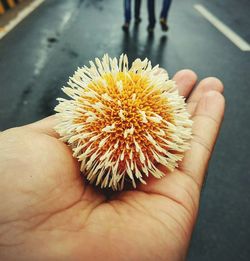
point(37, 57)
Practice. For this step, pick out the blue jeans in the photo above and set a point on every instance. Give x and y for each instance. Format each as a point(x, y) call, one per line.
point(151, 10)
point(151, 13)
point(127, 8)
point(165, 8)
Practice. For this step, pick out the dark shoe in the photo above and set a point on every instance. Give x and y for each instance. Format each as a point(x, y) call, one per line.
point(137, 20)
point(150, 29)
point(125, 27)
point(164, 26)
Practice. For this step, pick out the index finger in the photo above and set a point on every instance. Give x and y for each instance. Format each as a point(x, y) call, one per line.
point(185, 80)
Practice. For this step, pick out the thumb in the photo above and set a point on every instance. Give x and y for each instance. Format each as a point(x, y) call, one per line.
point(46, 126)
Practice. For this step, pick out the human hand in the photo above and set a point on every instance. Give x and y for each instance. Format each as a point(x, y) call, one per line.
point(48, 213)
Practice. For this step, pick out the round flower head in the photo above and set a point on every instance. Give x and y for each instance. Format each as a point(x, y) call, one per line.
point(123, 123)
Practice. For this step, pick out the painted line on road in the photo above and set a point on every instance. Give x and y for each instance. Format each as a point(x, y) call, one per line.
point(20, 17)
point(224, 29)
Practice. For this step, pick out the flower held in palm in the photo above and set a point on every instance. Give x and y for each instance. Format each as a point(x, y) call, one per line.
point(123, 123)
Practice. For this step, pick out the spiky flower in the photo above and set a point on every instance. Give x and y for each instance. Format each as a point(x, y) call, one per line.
point(123, 123)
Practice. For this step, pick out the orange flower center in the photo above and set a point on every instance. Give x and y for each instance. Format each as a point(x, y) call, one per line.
point(126, 108)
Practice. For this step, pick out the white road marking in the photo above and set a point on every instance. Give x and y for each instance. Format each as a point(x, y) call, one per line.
point(19, 18)
point(224, 29)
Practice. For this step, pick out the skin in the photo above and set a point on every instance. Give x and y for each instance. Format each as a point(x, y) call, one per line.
point(48, 213)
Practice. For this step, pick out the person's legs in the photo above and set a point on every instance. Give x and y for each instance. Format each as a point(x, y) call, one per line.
point(164, 14)
point(127, 9)
point(165, 8)
point(127, 14)
point(137, 10)
point(151, 15)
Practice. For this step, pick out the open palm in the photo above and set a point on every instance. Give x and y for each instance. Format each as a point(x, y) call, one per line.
point(47, 212)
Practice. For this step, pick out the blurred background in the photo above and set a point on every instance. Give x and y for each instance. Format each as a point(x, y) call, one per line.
point(40, 52)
